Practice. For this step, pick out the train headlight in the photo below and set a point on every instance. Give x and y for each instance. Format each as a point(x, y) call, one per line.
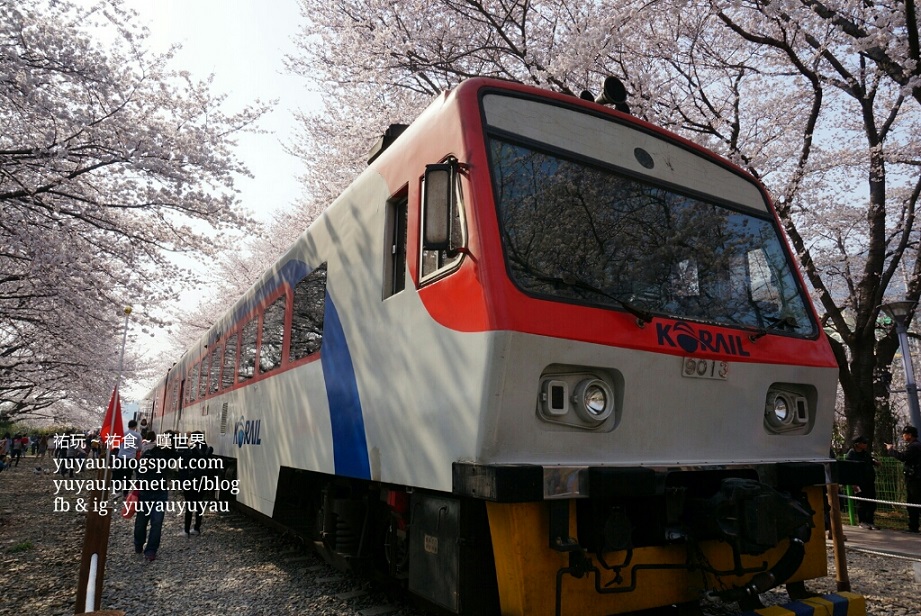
point(581, 397)
point(593, 400)
point(787, 409)
point(781, 409)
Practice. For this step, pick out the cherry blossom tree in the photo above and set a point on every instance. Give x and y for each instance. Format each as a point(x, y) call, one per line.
point(115, 170)
point(845, 181)
point(819, 100)
point(235, 271)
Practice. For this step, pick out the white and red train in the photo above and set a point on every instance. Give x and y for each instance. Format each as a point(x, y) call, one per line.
point(541, 357)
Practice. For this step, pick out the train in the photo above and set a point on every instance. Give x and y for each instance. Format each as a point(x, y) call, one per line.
point(539, 357)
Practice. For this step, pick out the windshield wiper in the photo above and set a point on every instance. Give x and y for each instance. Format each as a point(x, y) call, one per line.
point(642, 316)
point(779, 323)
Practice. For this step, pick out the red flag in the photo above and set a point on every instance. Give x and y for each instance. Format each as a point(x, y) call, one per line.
point(117, 431)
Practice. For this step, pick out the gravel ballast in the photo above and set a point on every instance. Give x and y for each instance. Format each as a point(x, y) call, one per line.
point(239, 566)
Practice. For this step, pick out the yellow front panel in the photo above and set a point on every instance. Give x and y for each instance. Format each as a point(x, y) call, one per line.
point(526, 567)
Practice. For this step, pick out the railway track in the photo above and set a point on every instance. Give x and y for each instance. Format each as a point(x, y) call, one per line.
point(240, 566)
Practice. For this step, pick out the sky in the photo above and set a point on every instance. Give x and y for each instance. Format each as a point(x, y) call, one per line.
point(242, 43)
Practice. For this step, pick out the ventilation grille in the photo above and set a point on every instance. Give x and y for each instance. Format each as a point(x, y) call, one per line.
point(224, 418)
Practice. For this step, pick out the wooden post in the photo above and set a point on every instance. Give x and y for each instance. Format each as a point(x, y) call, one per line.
point(95, 541)
point(837, 536)
point(99, 513)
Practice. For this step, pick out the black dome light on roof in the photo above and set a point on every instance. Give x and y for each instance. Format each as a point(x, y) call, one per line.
point(613, 92)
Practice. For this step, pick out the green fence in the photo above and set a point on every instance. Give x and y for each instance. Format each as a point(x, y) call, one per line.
point(890, 486)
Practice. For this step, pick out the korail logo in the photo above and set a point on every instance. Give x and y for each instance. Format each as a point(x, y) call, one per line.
point(246, 432)
point(683, 335)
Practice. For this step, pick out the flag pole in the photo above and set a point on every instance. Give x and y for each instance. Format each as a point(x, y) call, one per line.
point(121, 366)
point(99, 514)
point(107, 474)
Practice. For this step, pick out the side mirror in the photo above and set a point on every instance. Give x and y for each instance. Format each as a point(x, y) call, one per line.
point(438, 206)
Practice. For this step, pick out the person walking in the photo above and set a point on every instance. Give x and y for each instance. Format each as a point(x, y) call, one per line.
point(128, 451)
point(866, 486)
point(193, 474)
point(6, 444)
point(74, 455)
point(16, 450)
point(911, 461)
point(152, 498)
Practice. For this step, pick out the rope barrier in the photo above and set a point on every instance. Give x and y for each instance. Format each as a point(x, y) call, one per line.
point(879, 502)
point(884, 554)
point(872, 552)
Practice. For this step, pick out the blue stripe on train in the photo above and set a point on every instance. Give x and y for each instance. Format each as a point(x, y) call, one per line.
point(350, 448)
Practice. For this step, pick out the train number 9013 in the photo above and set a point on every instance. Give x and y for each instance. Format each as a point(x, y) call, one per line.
point(705, 368)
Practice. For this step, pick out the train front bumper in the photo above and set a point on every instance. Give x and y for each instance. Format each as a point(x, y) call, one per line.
point(550, 561)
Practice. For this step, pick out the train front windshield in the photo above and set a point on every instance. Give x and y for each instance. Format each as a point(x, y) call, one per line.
point(583, 232)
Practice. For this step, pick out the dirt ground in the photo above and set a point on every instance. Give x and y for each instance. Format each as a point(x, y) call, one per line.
point(40, 548)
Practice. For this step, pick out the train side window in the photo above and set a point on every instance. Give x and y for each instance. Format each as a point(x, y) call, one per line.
point(248, 351)
point(439, 255)
point(307, 319)
point(174, 397)
point(203, 378)
point(230, 361)
point(193, 383)
point(395, 247)
point(273, 335)
point(216, 357)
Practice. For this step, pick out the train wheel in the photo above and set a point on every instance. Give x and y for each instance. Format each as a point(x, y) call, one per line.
point(396, 548)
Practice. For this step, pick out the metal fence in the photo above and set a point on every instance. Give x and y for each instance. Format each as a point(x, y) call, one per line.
point(890, 488)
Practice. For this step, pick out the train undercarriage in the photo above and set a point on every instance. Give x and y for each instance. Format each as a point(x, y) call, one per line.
point(629, 540)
